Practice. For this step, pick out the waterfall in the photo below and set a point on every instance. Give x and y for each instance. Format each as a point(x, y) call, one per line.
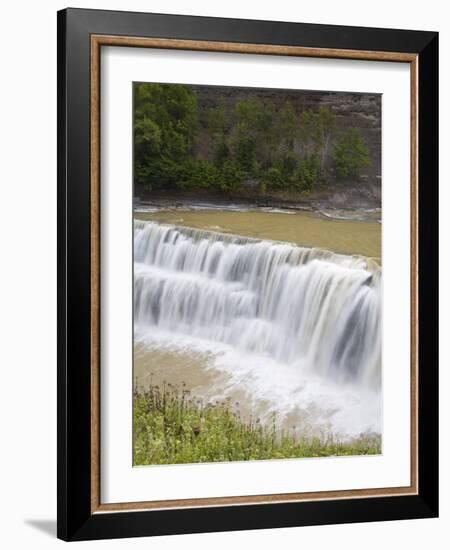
point(304, 307)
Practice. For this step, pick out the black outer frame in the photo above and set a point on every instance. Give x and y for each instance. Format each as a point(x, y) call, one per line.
point(75, 521)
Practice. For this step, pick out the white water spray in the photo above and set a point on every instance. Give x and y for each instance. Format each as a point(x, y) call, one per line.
point(311, 309)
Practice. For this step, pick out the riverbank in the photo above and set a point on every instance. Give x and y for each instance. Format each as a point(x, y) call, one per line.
point(173, 427)
point(361, 196)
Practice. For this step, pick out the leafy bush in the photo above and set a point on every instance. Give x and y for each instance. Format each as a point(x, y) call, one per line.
point(232, 176)
point(288, 164)
point(350, 154)
point(200, 174)
point(308, 173)
point(273, 178)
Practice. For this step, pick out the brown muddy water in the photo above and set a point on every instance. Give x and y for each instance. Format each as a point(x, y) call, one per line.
point(302, 228)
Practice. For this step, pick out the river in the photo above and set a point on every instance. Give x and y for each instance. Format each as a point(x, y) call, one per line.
point(279, 311)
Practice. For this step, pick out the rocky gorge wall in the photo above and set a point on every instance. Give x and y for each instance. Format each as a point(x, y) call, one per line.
point(352, 110)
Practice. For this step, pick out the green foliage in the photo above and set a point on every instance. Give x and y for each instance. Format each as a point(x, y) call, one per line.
point(273, 178)
point(244, 150)
point(245, 140)
point(326, 123)
point(309, 133)
point(287, 164)
point(221, 150)
point(200, 174)
point(218, 127)
point(165, 122)
point(253, 115)
point(203, 174)
point(288, 126)
point(217, 119)
point(252, 121)
point(326, 120)
point(172, 427)
point(350, 154)
point(315, 133)
point(307, 173)
point(232, 175)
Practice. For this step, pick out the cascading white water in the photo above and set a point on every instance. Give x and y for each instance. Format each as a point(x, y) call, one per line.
point(310, 308)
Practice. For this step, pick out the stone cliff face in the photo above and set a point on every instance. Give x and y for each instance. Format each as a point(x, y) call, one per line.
point(357, 110)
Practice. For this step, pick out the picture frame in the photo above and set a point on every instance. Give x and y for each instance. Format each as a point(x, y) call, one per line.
point(81, 36)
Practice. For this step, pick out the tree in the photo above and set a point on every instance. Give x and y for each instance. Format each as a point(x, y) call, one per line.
point(287, 127)
point(218, 127)
point(326, 125)
point(252, 122)
point(285, 160)
point(315, 132)
point(350, 154)
point(309, 134)
point(165, 123)
point(273, 178)
point(307, 174)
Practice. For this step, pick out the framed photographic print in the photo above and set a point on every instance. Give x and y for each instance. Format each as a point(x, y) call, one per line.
point(247, 253)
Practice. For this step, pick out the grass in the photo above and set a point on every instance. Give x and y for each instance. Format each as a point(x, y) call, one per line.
point(172, 427)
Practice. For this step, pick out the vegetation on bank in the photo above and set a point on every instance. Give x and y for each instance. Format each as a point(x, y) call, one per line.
point(250, 143)
point(172, 427)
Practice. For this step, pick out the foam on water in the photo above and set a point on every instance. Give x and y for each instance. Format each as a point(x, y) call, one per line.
point(298, 328)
